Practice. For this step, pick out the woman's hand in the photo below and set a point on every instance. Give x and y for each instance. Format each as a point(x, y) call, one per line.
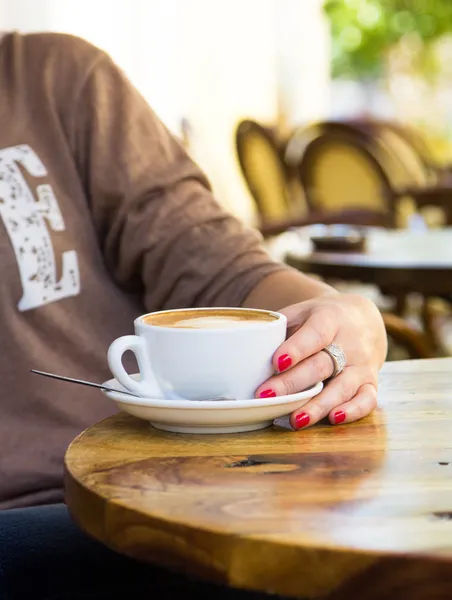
point(355, 325)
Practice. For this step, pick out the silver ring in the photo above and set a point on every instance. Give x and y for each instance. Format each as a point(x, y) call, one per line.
point(337, 355)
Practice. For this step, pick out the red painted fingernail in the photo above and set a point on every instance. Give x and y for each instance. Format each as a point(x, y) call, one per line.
point(302, 420)
point(284, 362)
point(339, 417)
point(267, 394)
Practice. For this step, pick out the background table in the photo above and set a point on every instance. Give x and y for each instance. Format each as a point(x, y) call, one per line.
point(402, 261)
point(355, 511)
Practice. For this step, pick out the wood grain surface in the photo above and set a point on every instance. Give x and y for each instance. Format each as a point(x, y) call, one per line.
point(361, 511)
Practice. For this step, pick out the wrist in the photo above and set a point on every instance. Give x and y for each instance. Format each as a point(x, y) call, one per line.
point(285, 288)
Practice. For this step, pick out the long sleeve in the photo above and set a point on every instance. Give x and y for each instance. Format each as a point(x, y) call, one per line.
point(162, 233)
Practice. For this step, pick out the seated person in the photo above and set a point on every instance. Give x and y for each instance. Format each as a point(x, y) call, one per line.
point(105, 217)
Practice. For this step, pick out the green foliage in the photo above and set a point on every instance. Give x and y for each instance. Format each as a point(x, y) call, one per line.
point(364, 31)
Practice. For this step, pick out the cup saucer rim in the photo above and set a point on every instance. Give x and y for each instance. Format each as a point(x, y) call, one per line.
point(119, 396)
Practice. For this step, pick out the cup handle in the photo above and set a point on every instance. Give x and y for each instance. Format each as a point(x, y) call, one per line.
point(138, 346)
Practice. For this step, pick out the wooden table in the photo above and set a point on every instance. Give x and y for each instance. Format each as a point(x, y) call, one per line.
point(360, 511)
point(398, 260)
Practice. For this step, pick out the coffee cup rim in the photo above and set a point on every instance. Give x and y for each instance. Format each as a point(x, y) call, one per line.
point(140, 320)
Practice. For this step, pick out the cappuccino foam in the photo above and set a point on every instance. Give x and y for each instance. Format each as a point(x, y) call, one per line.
point(214, 322)
point(210, 319)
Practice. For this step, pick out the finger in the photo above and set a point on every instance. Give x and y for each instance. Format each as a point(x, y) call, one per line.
point(318, 331)
point(338, 391)
point(295, 313)
point(307, 373)
point(361, 405)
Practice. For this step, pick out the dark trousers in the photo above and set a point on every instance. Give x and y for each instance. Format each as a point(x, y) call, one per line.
point(44, 556)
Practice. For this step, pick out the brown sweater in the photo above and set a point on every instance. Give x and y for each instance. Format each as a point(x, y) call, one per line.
point(103, 217)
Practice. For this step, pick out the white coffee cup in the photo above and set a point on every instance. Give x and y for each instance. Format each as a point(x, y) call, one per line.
point(198, 354)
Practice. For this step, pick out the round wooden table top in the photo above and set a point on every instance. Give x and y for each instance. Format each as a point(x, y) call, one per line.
point(355, 511)
point(403, 260)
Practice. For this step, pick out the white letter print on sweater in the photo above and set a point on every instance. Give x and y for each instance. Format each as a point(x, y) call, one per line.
point(27, 222)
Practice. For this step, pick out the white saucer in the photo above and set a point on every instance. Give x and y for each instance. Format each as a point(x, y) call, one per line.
point(194, 416)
